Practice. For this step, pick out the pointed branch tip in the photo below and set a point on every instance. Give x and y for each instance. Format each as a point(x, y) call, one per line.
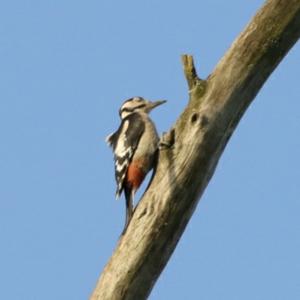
point(194, 82)
point(189, 70)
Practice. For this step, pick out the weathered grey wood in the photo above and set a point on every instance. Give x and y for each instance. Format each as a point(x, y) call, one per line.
point(190, 153)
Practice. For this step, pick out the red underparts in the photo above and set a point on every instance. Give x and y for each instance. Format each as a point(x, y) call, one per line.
point(134, 176)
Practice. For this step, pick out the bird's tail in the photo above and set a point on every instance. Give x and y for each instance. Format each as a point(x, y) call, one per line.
point(129, 193)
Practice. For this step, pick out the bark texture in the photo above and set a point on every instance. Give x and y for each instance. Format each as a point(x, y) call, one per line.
point(191, 149)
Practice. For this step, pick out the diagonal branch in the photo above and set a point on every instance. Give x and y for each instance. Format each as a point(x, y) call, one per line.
point(199, 136)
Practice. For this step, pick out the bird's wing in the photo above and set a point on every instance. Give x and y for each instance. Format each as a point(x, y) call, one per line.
point(124, 142)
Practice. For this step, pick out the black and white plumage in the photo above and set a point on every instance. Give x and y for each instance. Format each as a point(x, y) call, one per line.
point(135, 146)
point(124, 143)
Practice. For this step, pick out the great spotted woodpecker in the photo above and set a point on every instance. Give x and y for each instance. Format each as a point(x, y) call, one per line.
point(135, 146)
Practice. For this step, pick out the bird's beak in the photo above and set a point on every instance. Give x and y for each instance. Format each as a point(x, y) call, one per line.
point(154, 104)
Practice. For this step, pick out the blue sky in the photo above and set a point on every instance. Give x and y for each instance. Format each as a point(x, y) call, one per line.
point(66, 66)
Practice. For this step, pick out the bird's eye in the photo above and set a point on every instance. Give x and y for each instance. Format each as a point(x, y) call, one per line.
point(132, 109)
point(140, 106)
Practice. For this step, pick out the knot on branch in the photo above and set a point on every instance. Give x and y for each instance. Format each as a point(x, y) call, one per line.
point(167, 140)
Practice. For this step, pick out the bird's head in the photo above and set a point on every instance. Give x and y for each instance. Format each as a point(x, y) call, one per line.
point(136, 105)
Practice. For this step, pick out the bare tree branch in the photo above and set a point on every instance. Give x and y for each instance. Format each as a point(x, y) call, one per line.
point(191, 150)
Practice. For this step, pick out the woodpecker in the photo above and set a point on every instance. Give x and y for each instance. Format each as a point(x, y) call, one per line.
point(135, 147)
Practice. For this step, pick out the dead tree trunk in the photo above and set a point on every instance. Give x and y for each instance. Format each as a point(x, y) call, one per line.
point(191, 149)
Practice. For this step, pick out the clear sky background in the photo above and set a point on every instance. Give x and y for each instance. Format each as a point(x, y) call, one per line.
point(65, 68)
